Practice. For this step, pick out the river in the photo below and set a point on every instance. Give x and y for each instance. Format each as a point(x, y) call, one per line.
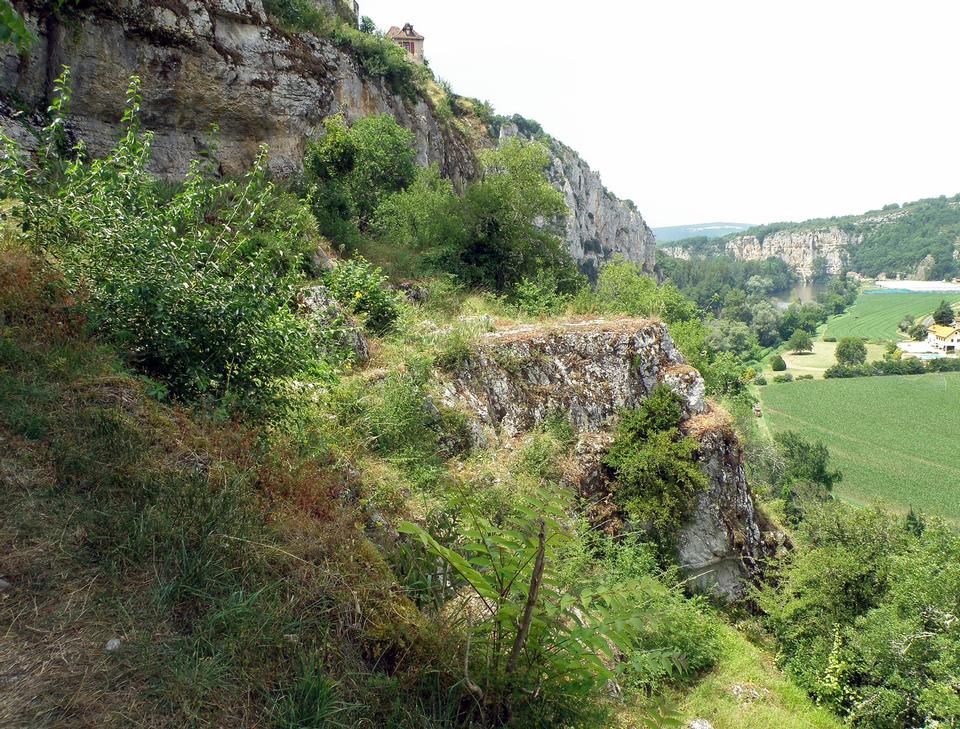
point(805, 292)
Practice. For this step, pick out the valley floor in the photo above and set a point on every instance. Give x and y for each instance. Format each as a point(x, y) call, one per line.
point(894, 438)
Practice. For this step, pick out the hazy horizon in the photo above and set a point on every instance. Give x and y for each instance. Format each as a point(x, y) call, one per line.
point(701, 112)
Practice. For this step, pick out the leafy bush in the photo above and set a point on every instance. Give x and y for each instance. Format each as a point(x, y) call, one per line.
point(801, 472)
point(197, 286)
point(777, 364)
point(351, 170)
point(490, 237)
point(654, 463)
point(423, 217)
point(760, 380)
point(893, 366)
point(783, 378)
point(624, 288)
point(362, 288)
point(804, 377)
point(862, 621)
point(539, 296)
point(500, 213)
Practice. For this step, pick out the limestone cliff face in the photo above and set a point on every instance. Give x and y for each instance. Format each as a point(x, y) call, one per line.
point(799, 248)
point(601, 226)
point(214, 62)
point(221, 62)
point(513, 380)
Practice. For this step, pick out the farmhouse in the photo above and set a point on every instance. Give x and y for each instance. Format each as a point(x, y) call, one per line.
point(408, 39)
point(944, 338)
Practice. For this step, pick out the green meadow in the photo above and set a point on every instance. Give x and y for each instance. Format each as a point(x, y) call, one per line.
point(876, 316)
point(896, 439)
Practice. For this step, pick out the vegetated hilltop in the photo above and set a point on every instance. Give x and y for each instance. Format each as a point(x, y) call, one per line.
point(917, 240)
point(270, 73)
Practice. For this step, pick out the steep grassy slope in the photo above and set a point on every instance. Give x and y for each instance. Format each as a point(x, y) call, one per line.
point(227, 565)
point(894, 438)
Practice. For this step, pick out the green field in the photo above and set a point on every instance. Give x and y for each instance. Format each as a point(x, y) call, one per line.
point(896, 439)
point(876, 316)
point(817, 361)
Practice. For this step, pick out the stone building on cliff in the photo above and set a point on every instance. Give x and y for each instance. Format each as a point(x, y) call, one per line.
point(408, 39)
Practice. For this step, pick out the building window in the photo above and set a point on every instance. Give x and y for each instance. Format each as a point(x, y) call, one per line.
point(408, 45)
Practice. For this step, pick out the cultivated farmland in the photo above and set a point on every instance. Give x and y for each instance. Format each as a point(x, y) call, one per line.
point(896, 439)
point(876, 316)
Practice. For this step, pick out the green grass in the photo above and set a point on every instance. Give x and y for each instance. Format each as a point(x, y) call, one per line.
point(776, 702)
point(816, 362)
point(894, 438)
point(876, 316)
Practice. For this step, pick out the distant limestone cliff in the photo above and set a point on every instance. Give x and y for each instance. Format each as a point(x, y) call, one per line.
point(227, 63)
point(916, 240)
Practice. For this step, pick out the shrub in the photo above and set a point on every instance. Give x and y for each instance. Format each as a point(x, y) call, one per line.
point(540, 296)
point(783, 378)
point(804, 377)
point(777, 364)
point(830, 339)
point(918, 332)
point(351, 170)
point(423, 218)
point(760, 380)
point(197, 286)
point(624, 288)
point(362, 288)
point(503, 241)
point(801, 472)
point(859, 621)
point(654, 463)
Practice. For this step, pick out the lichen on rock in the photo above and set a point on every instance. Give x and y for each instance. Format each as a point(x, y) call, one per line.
point(587, 370)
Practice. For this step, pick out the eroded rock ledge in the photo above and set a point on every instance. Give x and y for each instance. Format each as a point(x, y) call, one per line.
point(588, 370)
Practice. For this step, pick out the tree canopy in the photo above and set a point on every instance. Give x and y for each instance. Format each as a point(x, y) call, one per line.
point(851, 351)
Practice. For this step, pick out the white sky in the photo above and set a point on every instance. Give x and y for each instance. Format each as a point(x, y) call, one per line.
point(736, 110)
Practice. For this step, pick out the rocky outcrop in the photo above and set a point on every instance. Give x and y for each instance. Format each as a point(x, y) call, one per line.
point(587, 370)
point(324, 311)
point(601, 226)
point(221, 62)
point(799, 248)
point(725, 537)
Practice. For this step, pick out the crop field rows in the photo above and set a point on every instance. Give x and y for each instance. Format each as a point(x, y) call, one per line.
point(876, 316)
point(896, 439)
